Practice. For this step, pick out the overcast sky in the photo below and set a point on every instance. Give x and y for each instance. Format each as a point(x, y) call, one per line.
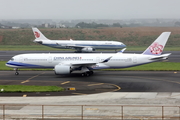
point(89, 9)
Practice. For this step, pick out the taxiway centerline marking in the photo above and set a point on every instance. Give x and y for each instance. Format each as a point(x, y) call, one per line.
point(95, 84)
point(25, 81)
point(65, 82)
point(32, 78)
point(118, 88)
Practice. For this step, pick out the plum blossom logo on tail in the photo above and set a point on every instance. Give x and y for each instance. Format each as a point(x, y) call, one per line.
point(37, 34)
point(156, 48)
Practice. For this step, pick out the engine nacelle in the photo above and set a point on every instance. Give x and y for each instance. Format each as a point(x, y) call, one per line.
point(87, 49)
point(62, 69)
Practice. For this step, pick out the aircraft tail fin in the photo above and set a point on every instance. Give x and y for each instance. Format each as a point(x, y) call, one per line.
point(38, 34)
point(156, 48)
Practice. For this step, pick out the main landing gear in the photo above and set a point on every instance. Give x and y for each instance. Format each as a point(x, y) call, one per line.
point(88, 73)
point(16, 73)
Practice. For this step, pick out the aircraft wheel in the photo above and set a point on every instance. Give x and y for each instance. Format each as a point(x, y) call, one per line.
point(87, 74)
point(83, 74)
point(16, 73)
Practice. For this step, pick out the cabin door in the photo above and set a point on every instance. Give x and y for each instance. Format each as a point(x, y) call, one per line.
point(49, 59)
point(97, 59)
point(134, 59)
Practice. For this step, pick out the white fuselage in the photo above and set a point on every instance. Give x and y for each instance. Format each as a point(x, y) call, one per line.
point(79, 44)
point(117, 60)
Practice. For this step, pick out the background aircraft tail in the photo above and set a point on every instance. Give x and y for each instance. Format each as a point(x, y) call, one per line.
point(38, 34)
point(156, 48)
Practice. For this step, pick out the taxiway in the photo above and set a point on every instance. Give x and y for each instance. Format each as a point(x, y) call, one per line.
point(101, 81)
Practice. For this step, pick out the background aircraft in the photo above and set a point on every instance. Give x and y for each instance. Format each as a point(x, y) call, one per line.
point(64, 63)
point(78, 45)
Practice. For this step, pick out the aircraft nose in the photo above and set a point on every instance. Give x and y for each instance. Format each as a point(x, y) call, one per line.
point(7, 64)
point(124, 45)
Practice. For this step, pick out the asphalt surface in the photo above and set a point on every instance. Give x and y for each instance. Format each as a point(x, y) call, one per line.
point(6, 55)
point(101, 81)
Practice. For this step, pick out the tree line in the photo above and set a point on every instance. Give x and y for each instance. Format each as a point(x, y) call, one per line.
point(96, 25)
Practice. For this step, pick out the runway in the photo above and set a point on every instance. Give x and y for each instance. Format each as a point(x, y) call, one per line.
point(6, 55)
point(101, 81)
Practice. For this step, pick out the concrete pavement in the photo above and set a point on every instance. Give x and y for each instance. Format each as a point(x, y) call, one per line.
point(110, 105)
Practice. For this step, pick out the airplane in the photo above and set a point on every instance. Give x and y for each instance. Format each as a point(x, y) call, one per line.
point(85, 63)
point(78, 45)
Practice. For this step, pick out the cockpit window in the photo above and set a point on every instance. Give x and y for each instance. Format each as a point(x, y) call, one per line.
point(12, 59)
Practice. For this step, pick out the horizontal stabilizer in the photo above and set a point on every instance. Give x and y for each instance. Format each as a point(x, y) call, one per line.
point(163, 57)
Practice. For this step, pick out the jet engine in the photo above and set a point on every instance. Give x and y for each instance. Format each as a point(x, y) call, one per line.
point(62, 69)
point(87, 49)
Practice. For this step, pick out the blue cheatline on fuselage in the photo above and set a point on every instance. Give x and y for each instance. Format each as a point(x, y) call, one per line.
point(19, 64)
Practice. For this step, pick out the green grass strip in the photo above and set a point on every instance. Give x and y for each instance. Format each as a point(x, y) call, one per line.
point(29, 48)
point(31, 88)
point(164, 66)
point(156, 66)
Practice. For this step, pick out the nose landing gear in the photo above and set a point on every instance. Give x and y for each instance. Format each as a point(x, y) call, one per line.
point(16, 73)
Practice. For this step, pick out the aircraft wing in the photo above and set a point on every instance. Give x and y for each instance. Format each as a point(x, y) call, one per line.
point(85, 48)
point(164, 56)
point(91, 63)
point(73, 46)
point(83, 64)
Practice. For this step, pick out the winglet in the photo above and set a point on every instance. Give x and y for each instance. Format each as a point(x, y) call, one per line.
point(160, 57)
point(122, 50)
point(38, 34)
point(156, 48)
point(106, 60)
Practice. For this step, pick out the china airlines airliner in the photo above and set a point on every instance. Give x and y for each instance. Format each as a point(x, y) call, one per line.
point(67, 63)
point(78, 45)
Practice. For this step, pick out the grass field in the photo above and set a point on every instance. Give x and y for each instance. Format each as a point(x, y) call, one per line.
point(29, 88)
point(131, 36)
point(156, 66)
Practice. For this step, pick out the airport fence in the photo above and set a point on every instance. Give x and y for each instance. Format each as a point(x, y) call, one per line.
point(86, 112)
